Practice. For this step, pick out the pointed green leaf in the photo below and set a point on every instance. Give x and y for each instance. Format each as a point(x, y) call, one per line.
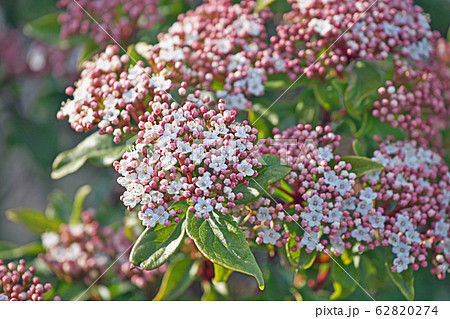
point(299, 258)
point(100, 149)
point(272, 170)
point(220, 239)
point(221, 274)
point(34, 220)
point(362, 165)
point(344, 282)
point(403, 280)
point(80, 197)
point(59, 206)
point(12, 252)
point(179, 276)
point(262, 4)
point(156, 245)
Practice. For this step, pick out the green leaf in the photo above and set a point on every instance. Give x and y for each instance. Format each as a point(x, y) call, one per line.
point(100, 149)
point(221, 274)
point(220, 239)
point(8, 251)
point(262, 4)
point(365, 79)
point(179, 276)
point(90, 47)
point(156, 245)
point(214, 291)
point(59, 206)
point(362, 165)
point(344, 282)
point(299, 258)
point(78, 202)
point(45, 28)
point(327, 95)
point(403, 280)
point(308, 109)
point(273, 170)
point(34, 220)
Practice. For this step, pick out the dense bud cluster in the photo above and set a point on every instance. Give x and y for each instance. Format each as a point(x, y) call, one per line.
point(415, 101)
point(113, 92)
point(351, 31)
point(190, 152)
point(106, 19)
point(320, 189)
point(83, 252)
point(224, 49)
point(17, 283)
point(413, 194)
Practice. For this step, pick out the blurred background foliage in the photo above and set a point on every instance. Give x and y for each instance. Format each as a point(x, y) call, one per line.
point(31, 137)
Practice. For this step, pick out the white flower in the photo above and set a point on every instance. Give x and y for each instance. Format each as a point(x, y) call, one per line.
point(160, 82)
point(224, 46)
point(174, 188)
point(220, 127)
point(334, 215)
point(144, 172)
point(325, 153)
point(209, 137)
point(441, 228)
point(313, 218)
point(361, 233)
point(394, 239)
point(151, 217)
point(183, 147)
point(349, 203)
point(390, 29)
point(245, 168)
point(168, 161)
point(401, 249)
point(401, 263)
point(263, 214)
point(367, 194)
point(129, 96)
point(315, 203)
point(377, 220)
point(337, 245)
point(330, 178)
point(413, 236)
point(204, 182)
point(320, 26)
point(50, 240)
point(343, 186)
point(310, 240)
point(217, 163)
point(156, 196)
point(270, 236)
point(229, 152)
point(241, 131)
point(364, 207)
point(203, 205)
point(198, 154)
point(255, 88)
point(403, 223)
point(171, 130)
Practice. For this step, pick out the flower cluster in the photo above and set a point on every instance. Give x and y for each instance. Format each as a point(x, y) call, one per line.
point(413, 196)
point(119, 19)
point(320, 194)
point(189, 152)
point(415, 101)
point(224, 49)
point(112, 94)
point(17, 283)
point(336, 32)
point(20, 58)
point(82, 252)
